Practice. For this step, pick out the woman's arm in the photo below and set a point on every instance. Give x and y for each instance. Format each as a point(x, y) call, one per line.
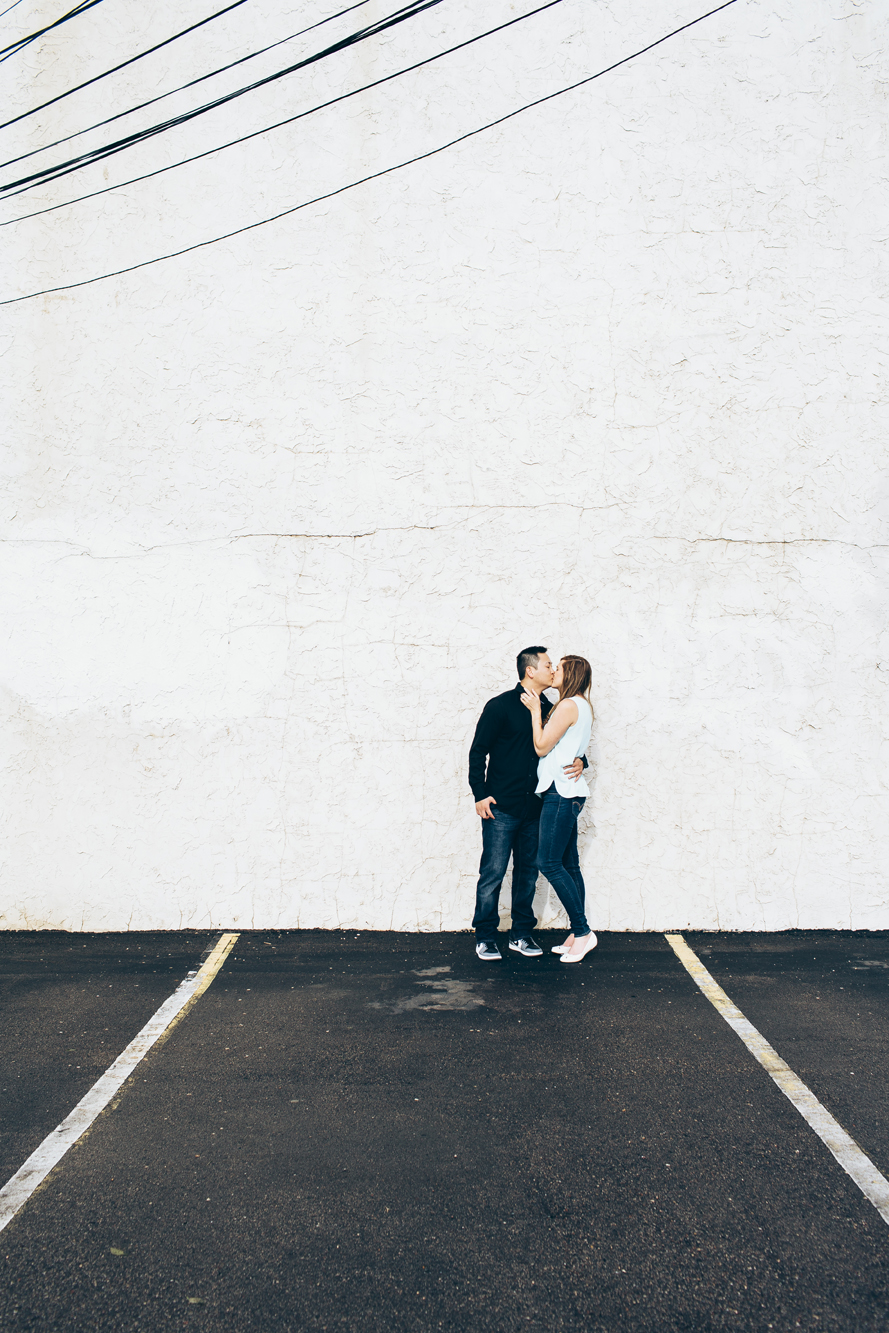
point(563, 716)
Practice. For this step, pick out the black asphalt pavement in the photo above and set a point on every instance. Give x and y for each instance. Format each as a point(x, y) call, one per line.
point(69, 1005)
point(822, 1000)
point(377, 1132)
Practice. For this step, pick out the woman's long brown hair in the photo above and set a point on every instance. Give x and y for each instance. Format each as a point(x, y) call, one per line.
point(577, 677)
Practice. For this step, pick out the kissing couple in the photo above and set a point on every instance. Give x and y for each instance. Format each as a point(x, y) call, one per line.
point(526, 765)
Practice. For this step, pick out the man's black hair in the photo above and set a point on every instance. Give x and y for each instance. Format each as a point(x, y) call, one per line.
point(528, 657)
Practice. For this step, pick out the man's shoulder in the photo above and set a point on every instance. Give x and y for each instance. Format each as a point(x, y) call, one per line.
point(500, 699)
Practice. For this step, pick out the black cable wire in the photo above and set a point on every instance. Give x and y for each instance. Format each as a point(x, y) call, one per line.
point(182, 87)
point(9, 8)
point(123, 64)
point(7, 51)
point(36, 178)
point(343, 97)
point(331, 194)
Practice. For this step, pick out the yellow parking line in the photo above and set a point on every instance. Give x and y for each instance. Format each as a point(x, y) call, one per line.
point(872, 1183)
point(34, 1171)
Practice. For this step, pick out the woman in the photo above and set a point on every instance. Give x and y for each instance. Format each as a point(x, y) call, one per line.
point(565, 736)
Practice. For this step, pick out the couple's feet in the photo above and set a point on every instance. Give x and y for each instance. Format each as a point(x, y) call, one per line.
point(572, 951)
point(488, 951)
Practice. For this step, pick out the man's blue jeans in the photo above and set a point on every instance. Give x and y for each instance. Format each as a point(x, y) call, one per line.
point(502, 835)
point(557, 857)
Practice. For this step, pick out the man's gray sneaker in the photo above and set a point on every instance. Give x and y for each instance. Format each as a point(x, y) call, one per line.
point(488, 952)
point(530, 948)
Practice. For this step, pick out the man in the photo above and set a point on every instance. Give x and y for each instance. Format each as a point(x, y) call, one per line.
point(506, 803)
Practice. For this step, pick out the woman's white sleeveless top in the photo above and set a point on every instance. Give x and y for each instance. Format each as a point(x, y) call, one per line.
point(565, 751)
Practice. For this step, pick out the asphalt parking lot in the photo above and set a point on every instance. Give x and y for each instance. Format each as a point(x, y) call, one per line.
point(378, 1132)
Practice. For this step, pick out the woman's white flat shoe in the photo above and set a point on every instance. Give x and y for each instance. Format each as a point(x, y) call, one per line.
point(563, 948)
point(589, 942)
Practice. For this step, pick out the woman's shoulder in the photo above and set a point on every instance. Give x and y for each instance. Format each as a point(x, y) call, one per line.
point(567, 708)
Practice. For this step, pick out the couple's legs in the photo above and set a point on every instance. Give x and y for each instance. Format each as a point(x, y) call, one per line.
point(501, 836)
point(557, 856)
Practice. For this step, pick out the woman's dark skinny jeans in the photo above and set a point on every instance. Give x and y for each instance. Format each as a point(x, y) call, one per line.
point(557, 857)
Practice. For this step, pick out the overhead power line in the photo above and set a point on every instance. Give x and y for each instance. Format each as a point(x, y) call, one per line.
point(9, 8)
point(123, 64)
point(376, 175)
point(47, 174)
point(290, 120)
point(7, 51)
point(160, 98)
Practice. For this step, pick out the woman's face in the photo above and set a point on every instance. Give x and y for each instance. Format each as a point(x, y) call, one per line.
point(558, 676)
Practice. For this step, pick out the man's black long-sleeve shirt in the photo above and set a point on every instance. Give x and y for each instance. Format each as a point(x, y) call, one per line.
point(505, 737)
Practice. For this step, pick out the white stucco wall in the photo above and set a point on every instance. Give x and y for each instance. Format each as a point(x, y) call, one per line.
point(280, 512)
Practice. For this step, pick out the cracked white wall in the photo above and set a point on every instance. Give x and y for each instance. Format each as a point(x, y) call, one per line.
point(281, 511)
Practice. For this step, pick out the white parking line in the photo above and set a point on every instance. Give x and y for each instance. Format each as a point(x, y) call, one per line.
point(34, 1171)
point(873, 1185)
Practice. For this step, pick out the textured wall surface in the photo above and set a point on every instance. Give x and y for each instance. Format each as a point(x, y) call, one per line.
point(280, 511)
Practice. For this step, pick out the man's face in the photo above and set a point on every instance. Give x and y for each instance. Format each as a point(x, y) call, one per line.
point(542, 674)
